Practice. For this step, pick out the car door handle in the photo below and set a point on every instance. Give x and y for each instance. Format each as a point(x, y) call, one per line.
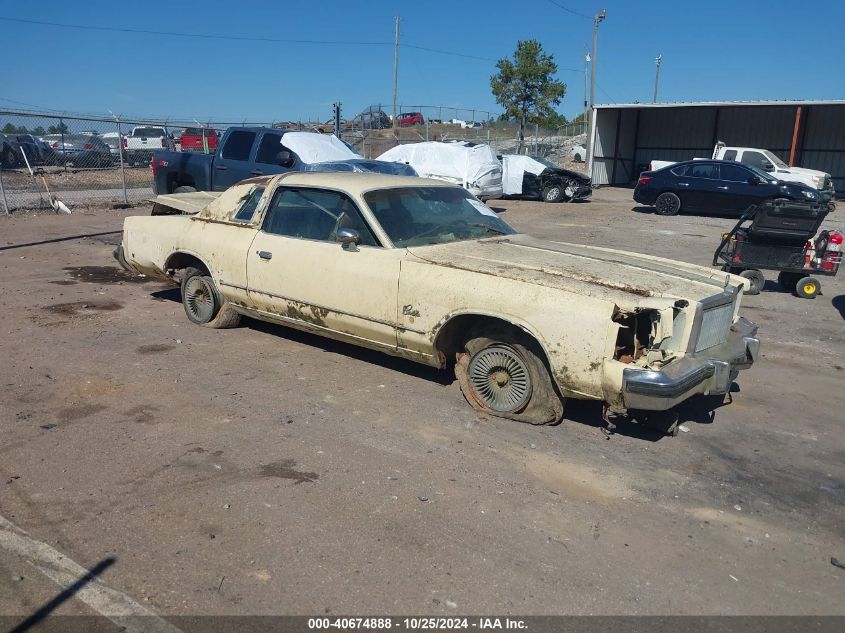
point(683, 184)
point(222, 167)
point(264, 254)
point(725, 188)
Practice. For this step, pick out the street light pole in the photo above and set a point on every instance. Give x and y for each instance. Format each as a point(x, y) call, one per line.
point(599, 17)
point(586, 61)
point(657, 61)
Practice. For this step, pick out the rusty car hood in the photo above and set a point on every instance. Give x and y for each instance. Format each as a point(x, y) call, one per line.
point(603, 272)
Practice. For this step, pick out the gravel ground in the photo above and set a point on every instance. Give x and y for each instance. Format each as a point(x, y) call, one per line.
point(263, 471)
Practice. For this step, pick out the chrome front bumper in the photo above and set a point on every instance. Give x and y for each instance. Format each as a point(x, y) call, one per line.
point(708, 372)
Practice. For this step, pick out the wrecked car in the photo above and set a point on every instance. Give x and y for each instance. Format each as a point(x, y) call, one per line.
point(536, 178)
point(423, 270)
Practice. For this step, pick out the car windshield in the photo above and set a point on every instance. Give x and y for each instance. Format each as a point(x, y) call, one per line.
point(545, 161)
point(775, 160)
point(416, 216)
point(767, 177)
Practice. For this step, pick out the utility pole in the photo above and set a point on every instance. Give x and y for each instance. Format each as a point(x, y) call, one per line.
point(657, 61)
point(599, 17)
point(395, 72)
point(586, 61)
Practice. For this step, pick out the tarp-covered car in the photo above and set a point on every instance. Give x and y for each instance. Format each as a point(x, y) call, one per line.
point(536, 178)
point(474, 166)
point(421, 269)
point(364, 165)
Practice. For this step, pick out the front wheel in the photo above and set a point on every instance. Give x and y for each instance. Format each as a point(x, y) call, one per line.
point(184, 189)
point(202, 302)
point(667, 203)
point(502, 373)
point(808, 287)
point(553, 193)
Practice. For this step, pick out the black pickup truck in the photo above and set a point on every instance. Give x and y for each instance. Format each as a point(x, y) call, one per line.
point(245, 152)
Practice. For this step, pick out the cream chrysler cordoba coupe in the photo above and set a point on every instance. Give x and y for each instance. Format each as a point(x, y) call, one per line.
point(421, 269)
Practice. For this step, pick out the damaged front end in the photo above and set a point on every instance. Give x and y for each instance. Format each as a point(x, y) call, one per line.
point(664, 354)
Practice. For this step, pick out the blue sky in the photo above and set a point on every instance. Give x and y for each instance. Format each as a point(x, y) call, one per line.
point(717, 50)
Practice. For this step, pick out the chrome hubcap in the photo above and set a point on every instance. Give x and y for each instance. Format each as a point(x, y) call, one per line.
point(500, 379)
point(553, 193)
point(198, 299)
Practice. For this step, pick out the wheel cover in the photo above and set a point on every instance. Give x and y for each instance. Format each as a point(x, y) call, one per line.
point(809, 288)
point(199, 300)
point(500, 379)
point(552, 193)
point(665, 203)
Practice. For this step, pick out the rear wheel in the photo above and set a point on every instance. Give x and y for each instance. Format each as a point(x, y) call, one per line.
point(184, 189)
point(553, 193)
point(757, 281)
point(202, 302)
point(808, 287)
point(667, 203)
point(502, 373)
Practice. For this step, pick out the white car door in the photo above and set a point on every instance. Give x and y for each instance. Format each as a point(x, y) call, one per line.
point(298, 273)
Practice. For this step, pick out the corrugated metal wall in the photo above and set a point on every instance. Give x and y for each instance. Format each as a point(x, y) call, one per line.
point(684, 132)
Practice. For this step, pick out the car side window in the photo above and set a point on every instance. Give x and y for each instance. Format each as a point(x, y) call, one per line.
point(706, 170)
point(729, 155)
point(314, 214)
point(680, 170)
point(754, 158)
point(734, 173)
point(249, 205)
point(238, 145)
point(268, 148)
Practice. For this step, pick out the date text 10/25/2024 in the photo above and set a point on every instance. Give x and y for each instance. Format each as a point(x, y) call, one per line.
point(415, 624)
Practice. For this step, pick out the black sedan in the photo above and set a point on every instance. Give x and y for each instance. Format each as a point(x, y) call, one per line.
point(714, 186)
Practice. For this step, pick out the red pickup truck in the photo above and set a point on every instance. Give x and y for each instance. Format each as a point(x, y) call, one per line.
point(199, 139)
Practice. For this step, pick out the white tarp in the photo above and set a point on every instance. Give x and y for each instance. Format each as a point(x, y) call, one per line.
point(514, 167)
point(317, 148)
point(475, 167)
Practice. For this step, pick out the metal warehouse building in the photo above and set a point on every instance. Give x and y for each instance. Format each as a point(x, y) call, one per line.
point(803, 133)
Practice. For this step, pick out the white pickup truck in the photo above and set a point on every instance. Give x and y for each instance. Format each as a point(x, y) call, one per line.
point(767, 161)
point(140, 144)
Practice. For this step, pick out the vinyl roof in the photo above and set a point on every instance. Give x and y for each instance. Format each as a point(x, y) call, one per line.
point(697, 104)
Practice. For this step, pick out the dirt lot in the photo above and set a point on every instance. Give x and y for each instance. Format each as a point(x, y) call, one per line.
point(258, 470)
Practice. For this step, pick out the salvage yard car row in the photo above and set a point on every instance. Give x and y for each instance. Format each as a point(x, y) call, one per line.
point(255, 151)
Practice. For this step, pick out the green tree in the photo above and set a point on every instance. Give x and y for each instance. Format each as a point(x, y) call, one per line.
point(9, 129)
point(61, 128)
point(526, 85)
point(38, 131)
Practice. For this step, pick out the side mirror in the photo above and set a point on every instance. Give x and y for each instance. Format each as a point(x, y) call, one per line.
point(285, 159)
point(754, 180)
point(767, 166)
point(349, 239)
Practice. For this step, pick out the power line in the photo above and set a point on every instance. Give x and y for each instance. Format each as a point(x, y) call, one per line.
point(236, 38)
point(568, 10)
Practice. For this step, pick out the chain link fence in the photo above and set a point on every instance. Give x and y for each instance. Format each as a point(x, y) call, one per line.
point(90, 160)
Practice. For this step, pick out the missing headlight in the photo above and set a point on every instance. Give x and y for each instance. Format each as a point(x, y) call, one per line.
point(635, 335)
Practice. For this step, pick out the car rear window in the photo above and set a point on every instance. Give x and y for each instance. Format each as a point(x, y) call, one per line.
point(706, 170)
point(198, 131)
point(148, 131)
point(239, 145)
